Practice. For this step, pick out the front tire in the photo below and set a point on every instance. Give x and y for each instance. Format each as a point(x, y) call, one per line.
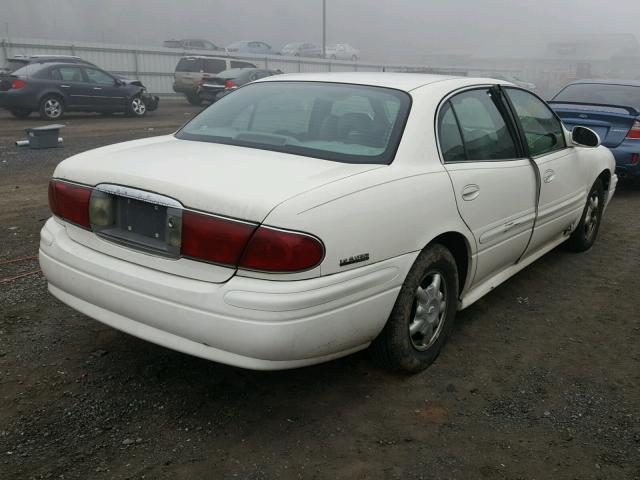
point(136, 107)
point(51, 107)
point(20, 112)
point(584, 236)
point(423, 315)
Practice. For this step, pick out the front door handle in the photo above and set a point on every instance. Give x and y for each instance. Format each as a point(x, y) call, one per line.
point(65, 86)
point(549, 176)
point(470, 192)
point(97, 88)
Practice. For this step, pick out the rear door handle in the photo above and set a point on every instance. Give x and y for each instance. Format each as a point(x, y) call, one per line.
point(65, 86)
point(549, 176)
point(470, 192)
point(97, 88)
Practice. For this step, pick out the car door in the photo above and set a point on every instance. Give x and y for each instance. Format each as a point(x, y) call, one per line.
point(73, 85)
point(107, 94)
point(494, 184)
point(563, 189)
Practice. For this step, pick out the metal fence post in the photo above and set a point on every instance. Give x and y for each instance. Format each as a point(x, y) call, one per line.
point(73, 50)
point(266, 62)
point(299, 65)
point(5, 50)
point(135, 62)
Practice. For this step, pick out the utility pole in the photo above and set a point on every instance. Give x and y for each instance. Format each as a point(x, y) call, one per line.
point(324, 28)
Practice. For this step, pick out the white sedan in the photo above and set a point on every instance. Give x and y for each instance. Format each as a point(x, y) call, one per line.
point(342, 51)
point(306, 217)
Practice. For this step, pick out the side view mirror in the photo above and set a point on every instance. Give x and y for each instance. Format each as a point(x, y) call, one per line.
point(118, 82)
point(585, 137)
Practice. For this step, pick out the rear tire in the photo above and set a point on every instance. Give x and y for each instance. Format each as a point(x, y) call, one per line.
point(194, 99)
point(584, 236)
point(423, 315)
point(51, 107)
point(20, 112)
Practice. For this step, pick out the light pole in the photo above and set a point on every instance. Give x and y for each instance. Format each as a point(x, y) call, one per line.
point(324, 28)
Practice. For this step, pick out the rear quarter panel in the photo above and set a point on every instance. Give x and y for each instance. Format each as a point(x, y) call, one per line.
point(386, 212)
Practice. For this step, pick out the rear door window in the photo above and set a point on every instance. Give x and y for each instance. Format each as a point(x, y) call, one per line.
point(188, 65)
point(71, 74)
point(214, 65)
point(451, 144)
point(485, 133)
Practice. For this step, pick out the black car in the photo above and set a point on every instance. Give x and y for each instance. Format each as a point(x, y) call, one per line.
point(212, 89)
point(55, 88)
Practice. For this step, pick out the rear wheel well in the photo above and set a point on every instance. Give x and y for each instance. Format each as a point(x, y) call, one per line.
point(457, 244)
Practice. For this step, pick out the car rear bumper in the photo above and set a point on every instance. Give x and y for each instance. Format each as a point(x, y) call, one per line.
point(627, 156)
point(245, 322)
point(18, 99)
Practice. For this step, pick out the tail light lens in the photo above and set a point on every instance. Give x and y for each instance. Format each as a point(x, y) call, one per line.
point(70, 202)
point(273, 250)
point(236, 243)
point(200, 83)
point(634, 133)
point(214, 239)
point(229, 84)
point(18, 83)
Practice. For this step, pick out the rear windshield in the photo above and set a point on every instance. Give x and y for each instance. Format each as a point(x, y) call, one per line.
point(29, 70)
point(339, 122)
point(13, 65)
point(189, 65)
point(599, 93)
point(237, 64)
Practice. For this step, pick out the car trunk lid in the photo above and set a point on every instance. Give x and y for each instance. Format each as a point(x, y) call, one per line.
point(611, 122)
point(235, 182)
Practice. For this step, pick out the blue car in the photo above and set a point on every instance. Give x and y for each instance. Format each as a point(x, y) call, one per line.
point(611, 108)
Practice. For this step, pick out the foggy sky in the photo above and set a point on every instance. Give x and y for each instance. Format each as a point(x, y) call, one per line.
point(384, 30)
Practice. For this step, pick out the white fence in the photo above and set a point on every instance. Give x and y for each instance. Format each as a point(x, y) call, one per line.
point(155, 66)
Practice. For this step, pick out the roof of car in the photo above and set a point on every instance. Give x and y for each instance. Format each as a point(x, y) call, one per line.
point(399, 81)
point(630, 83)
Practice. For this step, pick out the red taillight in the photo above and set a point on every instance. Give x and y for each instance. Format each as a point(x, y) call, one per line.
point(634, 133)
point(634, 159)
point(18, 84)
point(229, 84)
point(214, 239)
point(70, 202)
point(200, 83)
point(275, 250)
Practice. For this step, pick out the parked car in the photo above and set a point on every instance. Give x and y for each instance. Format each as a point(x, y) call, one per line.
point(19, 61)
point(55, 88)
point(342, 51)
point(301, 49)
point(309, 216)
point(250, 46)
point(612, 109)
point(515, 80)
point(228, 81)
point(191, 44)
point(192, 69)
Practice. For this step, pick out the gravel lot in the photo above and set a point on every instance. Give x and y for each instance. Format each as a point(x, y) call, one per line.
point(540, 380)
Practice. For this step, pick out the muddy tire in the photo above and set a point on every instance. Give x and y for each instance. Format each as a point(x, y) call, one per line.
point(584, 236)
point(423, 315)
point(51, 107)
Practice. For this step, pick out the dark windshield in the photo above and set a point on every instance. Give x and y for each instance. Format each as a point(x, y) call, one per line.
point(601, 93)
point(339, 122)
point(29, 70)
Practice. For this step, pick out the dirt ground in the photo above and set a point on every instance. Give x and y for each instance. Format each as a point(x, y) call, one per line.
point(540, 380)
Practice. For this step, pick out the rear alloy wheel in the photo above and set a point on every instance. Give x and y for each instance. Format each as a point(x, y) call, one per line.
point(584, 236)
point(137, 107)
point(423, 314)
point(51, 108)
